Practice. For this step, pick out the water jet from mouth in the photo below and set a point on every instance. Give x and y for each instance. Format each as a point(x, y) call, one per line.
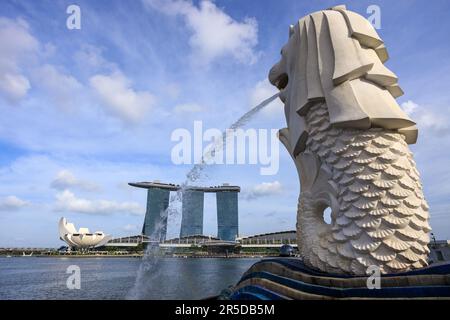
point(150, 266)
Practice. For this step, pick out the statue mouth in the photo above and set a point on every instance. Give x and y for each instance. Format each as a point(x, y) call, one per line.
point(281, 81)
point(278, 77)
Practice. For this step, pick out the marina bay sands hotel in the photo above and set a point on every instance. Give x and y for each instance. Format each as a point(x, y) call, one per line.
point(158, 194)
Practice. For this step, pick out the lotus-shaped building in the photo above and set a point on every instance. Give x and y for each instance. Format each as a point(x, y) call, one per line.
point(82, 238)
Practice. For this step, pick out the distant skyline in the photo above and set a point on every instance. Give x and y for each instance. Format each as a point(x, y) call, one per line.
point(86, 111)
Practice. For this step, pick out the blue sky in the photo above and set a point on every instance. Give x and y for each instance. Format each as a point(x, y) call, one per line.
point(85, 111)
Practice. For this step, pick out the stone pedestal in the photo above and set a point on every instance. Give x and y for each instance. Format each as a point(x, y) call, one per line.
point(289, 278)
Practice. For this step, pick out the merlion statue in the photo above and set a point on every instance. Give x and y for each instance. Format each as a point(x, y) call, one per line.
point(349, 140)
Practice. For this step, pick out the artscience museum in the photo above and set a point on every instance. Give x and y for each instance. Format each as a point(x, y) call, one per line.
point(81, 238)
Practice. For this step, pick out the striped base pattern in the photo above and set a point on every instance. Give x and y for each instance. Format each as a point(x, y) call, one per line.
point(289, 278)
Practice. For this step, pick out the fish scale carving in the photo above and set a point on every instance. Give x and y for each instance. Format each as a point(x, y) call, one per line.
point(383, 230)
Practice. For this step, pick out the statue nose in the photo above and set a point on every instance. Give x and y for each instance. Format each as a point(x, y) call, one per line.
point(275, 73)
point(278, 77)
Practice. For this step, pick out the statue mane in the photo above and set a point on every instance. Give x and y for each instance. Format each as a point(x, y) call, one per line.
point(342, 65)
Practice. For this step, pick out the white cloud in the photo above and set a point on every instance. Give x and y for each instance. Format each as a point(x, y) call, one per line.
point(61, 88)
point(119, 98)
point(91, 57)
point(14, 86)
point(130, 227)
point(263, 189)
point(11, 203)
point(66, 201)
point(188, 108)
point(16, 34)
point(66, 179)
point(173, 90)
point(214, 33)
point(260, 92)
point(20, 69)
point(17, 45)
point(409, 107)
point(425, 117)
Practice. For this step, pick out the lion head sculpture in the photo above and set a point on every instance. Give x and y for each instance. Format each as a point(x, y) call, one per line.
point(349, 140)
